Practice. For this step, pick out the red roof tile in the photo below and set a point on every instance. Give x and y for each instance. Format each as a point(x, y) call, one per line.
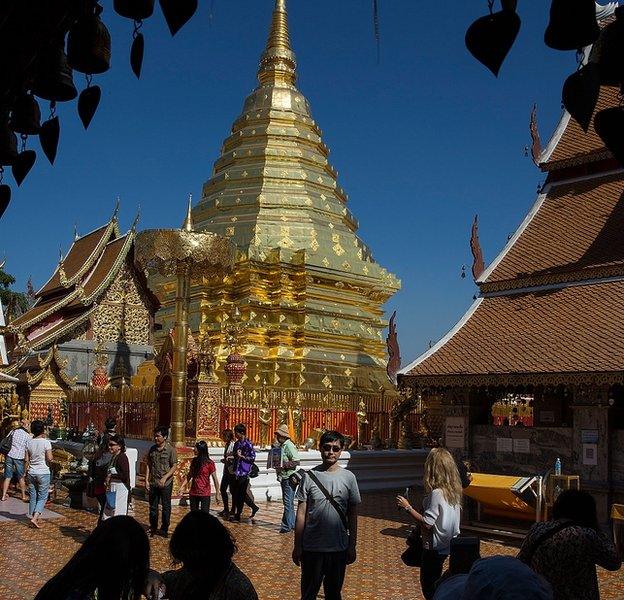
point(579, 227)
point(577, 328)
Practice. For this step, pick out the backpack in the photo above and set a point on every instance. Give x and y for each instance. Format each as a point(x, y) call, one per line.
point(6, 443)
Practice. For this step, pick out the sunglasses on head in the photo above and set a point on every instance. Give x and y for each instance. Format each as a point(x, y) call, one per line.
point(331, 448)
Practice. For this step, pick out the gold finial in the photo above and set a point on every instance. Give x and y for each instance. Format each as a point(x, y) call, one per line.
point(278, 64)
point(188, 222)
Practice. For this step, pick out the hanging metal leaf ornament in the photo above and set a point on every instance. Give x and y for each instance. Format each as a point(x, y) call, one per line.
point(134, 9)
point(88, 102)
point(609, 125)
point(49, 137)
point(177, 13)
point(572, 24)
point(580, 93)
point(5, 197)
point(490, 38)
point(136, 54)
point(8, 144)
point(23, 164)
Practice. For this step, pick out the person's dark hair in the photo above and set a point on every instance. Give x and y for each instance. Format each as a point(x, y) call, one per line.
point(37, 427)
point(162, 430)
point(205, 548)
point(110, 423)
point(203, 457)
point(577, 505)
point(114, 560)
point(227, 434)
point(332, 436)
point(118, 440)
point(240, 428)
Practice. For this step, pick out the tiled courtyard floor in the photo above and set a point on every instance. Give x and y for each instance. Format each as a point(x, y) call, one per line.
point(29, 557)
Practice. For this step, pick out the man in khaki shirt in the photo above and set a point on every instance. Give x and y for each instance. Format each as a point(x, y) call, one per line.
point(161, 465)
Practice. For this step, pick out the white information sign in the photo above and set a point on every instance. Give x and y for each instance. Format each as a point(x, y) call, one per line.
point(455, 432)
point(521, 446)
point(504, 445)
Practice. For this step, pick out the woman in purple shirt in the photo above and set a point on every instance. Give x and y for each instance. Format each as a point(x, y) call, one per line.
point(244, 458)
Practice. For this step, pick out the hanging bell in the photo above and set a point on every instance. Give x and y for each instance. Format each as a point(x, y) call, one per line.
point(89, 44)
point(53, 79)
point(136, 10)
point(26, 116)
point(609, 125)
point(572, 24)
point(8, 144)
point(608, 51)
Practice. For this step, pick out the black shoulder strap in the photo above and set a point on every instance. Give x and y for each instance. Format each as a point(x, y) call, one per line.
point(546, 536)
point(329, 497)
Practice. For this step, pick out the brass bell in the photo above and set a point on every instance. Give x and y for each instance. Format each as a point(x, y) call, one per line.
point(572, 24)
point(53, 79)
point(134, 9)
point(26, 116)
point(8, 144)
point(607, 51)
point(89, 44)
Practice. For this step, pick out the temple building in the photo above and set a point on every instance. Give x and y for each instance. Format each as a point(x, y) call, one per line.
point(534, 370)
point(91, 324)
point(304, 304)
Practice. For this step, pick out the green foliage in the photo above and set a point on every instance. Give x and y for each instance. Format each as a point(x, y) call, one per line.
point(14, 303)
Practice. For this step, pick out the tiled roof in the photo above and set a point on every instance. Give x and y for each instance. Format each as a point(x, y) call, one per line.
point(571, 329)
point(103, 269)
point(43, 336)
point(578, 228)
point(83, 251)
point(575, 144)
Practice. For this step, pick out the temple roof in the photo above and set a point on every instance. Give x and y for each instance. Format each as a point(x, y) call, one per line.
point(551, 302)
point(576, 328)
point(273, 187)
point(573, 231)
point(70, 295)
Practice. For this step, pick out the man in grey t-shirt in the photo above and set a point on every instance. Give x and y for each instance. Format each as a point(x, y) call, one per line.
point(323, 544)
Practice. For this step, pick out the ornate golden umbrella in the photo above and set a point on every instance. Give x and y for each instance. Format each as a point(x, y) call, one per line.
point(186, 254)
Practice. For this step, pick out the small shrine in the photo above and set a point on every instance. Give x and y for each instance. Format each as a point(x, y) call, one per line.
point(534, 371)
point(90, 327)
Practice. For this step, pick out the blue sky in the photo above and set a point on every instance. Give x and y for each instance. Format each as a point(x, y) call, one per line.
point(422, 141)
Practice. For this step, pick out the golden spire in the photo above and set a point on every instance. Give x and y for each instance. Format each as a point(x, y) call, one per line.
point(278, 64)
point(188, 222)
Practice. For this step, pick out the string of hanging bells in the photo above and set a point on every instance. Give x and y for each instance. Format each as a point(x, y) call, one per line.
point(573, 26)
point(42, 43)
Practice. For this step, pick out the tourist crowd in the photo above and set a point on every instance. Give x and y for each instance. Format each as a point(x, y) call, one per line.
point(557, 560)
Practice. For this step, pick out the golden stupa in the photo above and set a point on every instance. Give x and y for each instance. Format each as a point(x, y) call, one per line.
point(308, 292)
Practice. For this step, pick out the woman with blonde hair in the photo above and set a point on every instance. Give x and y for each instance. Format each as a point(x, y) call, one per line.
point(439, 521)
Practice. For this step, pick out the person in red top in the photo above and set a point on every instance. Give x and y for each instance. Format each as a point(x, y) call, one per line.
point(202, 468)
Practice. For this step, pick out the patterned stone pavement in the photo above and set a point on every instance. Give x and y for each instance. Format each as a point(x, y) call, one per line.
point(29, 557)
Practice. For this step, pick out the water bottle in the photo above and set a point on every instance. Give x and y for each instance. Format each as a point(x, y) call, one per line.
point(558, 466)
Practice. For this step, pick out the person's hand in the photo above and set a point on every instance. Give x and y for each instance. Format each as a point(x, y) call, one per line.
point(402, 502)
point(162, 482)
point(153, 583)
point(296, 555)
point(351, 555)
point(239, 453)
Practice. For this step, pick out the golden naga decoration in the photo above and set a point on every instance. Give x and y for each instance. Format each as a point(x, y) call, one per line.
point(186, 254)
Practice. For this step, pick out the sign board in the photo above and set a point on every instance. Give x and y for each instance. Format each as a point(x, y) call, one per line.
point(590, 454)
point(589, 436)
point(521, 446)
point(504, 445)
point(455, 432)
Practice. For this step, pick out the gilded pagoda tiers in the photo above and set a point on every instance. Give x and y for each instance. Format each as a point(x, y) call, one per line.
point(545, 336)
point(308, 292)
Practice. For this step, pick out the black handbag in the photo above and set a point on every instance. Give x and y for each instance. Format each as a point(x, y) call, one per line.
point(412, 557)
point(254, 471)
